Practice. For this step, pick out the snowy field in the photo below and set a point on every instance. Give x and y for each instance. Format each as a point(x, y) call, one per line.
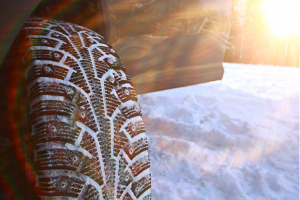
point(235, 139)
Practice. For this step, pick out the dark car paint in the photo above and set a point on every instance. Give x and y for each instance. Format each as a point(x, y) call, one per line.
point(176, 61)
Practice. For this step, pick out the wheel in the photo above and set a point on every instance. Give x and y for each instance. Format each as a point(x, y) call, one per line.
point(83, 131)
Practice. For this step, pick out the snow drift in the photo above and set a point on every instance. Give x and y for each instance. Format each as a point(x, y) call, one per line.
point(234, 139)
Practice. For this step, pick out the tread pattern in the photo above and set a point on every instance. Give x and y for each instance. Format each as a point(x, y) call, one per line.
point(85, 136)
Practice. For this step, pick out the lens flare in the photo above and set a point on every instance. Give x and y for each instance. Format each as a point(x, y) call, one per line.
point(282, 16)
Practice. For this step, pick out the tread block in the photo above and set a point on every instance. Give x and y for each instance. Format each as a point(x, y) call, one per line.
point(78, 28)
point(68, 28)
point(125, 180)
point(43, 41)
point(112, 103)
point(88, 68)
point(59, 159)
point(107, 193)
point(126, 94)
point(71, 63)
point(35, 31)
point(67, 47)
point(52, 107)
point(119, 140)
point(87, 40)
point(76, 41)
point(91, 193)
point(97, 37)
point(56, 131)
point(119, 136)
point(125, 176)
point(131, 111)
point(78, 79)
point(140, 165)
point(135, 128)
point(128, 197)
point(52, 88)
point(62, 186)
point(91, 168)
point(84, 113)
point(59, 36)
point(46, 70)
point(142, 185)
point(88, 143)
point(136, 148)
point(101, 66)
point(110, 170)
point(59, 29)
point(50, 55)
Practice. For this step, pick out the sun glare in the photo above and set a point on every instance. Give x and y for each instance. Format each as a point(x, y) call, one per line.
point(282, 16)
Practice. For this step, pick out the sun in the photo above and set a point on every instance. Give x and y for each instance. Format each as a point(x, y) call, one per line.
point(282, 16)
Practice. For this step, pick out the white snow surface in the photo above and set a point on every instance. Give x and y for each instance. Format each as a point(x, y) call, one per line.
point(234, 139)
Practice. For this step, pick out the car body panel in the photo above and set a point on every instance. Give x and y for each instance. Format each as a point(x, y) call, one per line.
point(163, 43)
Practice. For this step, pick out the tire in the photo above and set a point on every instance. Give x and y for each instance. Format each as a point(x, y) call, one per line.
point(83, 131)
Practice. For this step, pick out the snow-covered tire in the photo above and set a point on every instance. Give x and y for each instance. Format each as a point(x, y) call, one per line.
point(84, 135)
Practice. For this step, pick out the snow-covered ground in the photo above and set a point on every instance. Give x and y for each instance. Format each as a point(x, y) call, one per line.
point(233, 139)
